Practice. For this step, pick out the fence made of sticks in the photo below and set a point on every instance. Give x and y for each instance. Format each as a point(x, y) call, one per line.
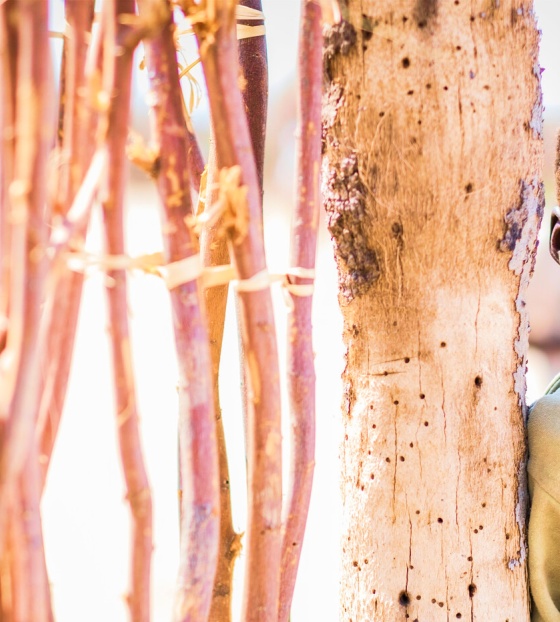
point(67, 143)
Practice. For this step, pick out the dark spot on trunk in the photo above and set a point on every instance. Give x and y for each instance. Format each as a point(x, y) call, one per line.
point(472, 589)
point(424, 11)
point(404, 598)
point(221, 589)
point(367, 27)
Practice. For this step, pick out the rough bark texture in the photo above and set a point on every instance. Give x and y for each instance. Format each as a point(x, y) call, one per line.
point(432, 156)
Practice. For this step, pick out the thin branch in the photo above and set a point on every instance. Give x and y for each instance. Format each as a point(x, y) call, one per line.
point(218, 47)
point(301, 372)
point(31, 593)
point(8, 56)
point(253, 64)
point(77, 142)
point(197, 431)
point(28, 240)
point(138, 491)
point(215, 252)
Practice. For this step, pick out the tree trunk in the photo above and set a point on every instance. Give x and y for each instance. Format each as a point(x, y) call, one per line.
point(431, 181)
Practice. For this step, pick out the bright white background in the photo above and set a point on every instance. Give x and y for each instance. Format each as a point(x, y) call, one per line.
point(85, 517)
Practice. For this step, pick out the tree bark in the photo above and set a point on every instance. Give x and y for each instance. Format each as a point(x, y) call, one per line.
point(433, 152)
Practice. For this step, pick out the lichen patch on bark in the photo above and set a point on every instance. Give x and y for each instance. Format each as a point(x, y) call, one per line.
point(339, 39)
point(348, 222)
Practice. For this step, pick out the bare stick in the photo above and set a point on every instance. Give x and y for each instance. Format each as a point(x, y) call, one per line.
point(29, 219)
point(254, 67)
point(77, 142)
point(218, 47)
point(8, 56)
point(31, 591)
point(197, 432)
point(253, 64)
point(214, 251)
point(301, 372)
point(138, 491)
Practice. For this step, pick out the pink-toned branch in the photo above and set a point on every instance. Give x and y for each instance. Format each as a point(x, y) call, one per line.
point(301, 371)
point(77, 142)
point(253, 64)
point(31, 591)
point(138, 491)
point(29, 235)
point(264, 452)
point(8, 56)
point(197, 430)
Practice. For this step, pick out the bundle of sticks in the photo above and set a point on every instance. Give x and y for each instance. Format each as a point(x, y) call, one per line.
point(56, 166)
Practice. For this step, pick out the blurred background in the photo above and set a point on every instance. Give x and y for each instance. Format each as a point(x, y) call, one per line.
point(85, 516)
